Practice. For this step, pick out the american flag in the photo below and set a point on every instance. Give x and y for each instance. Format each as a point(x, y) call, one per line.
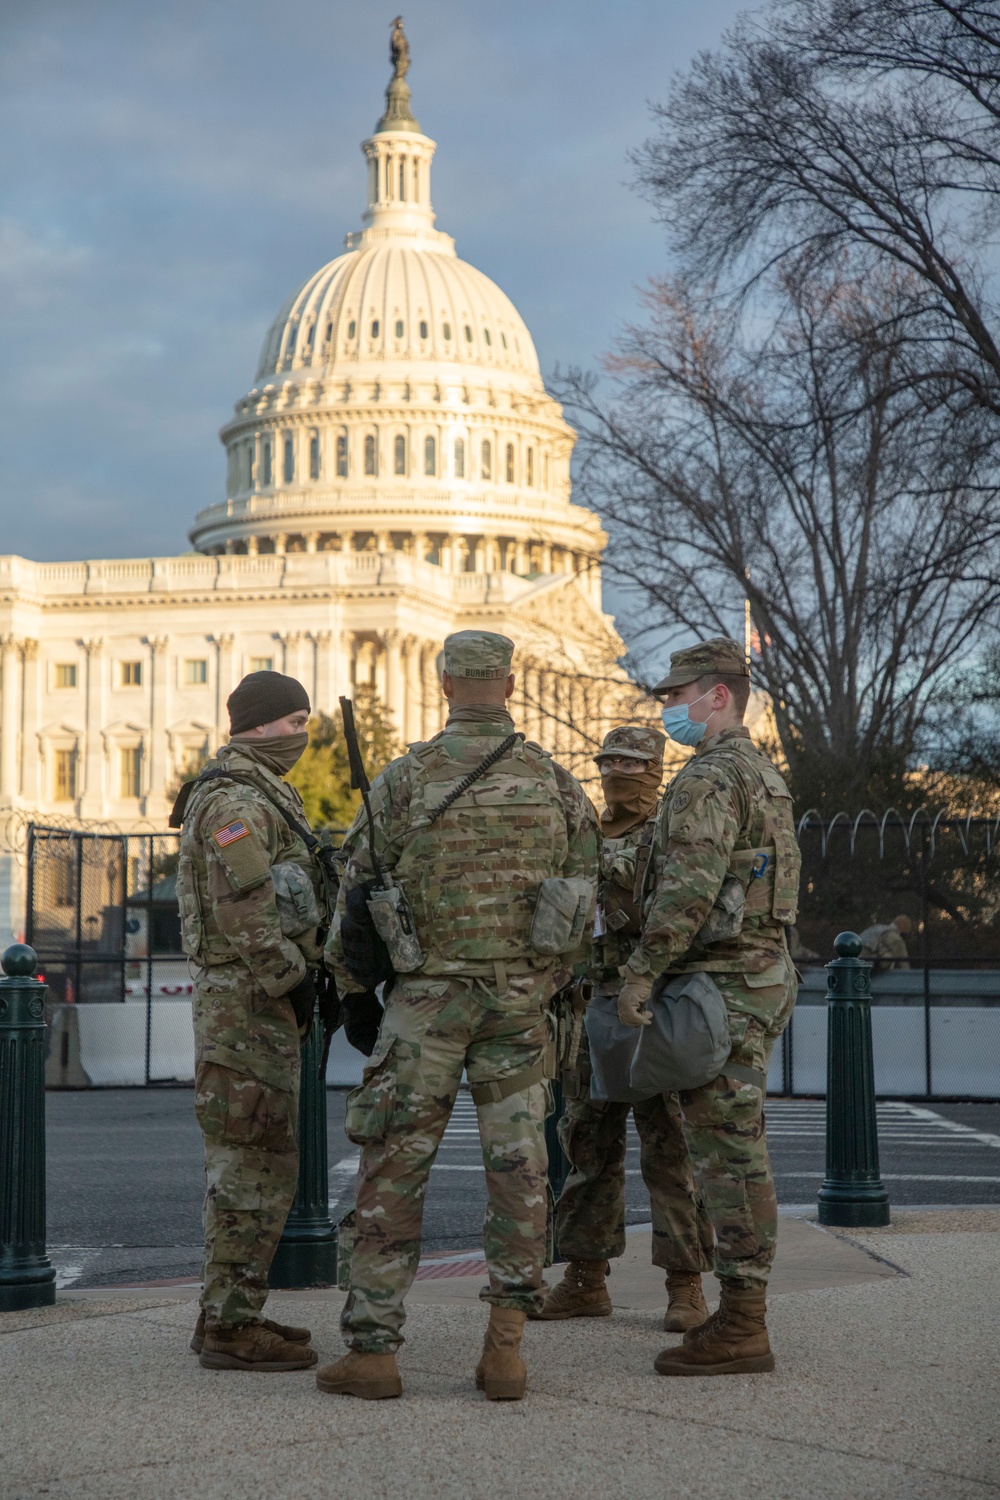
point(230, 834)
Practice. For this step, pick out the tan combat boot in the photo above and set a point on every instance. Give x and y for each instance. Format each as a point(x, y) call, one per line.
point(686, 1305)
point(734, 1341)
point(580, 1294)
point(373, 1377)
point(501, 1372)
point(290, 1335)
point(252, 1346)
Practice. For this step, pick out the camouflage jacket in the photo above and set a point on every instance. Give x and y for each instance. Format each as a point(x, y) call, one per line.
point(235, 905)
point(623, 864)
point(472, 876)
point(723, 876)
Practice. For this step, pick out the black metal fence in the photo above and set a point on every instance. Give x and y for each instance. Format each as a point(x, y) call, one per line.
point(102, 917)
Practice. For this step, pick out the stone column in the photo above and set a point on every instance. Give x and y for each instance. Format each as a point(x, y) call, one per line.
point(413, 690)
point(223, 683)
point(92, 790)
point(394, 678)
point(29, 778)
point(345, 669)
point(280, 541)
point(420, 545)
point(520, 556)
point(156, 770)
point(10, 715)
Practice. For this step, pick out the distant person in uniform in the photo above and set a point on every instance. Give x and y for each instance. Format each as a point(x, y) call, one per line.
point(884, 944)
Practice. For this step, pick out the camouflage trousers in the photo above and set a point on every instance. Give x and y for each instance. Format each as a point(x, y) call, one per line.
point(246, 1101)
point(590, 1215)
point(726, 1137)
point(432, 1029)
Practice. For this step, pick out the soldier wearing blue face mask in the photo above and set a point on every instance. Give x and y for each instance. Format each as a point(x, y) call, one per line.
point(721, 885)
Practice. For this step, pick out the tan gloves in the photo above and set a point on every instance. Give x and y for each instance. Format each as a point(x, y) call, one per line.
point(633, 1009)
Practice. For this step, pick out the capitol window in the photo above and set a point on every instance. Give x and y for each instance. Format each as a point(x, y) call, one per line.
point(399, 455)
point(423, 329)
point(530, 468)
point(503, 339)
point(510, 463)
point(370, 463)
point(130, 673)
point(266, 464)
point(310, 331)
point(468, 334)
point(195, 672)
point(416, 179)
point(314, 456)
point(446, 330)
point(375, 328)
point(64, 674)
point(459, 458)
point(341, 455)
point(65, 777)
point(250, 465)
point(329, 332)
point(486, 336)
point(289, 460)
point(402, 178)
point(130, 764)
point(352, 328)
point(486, 456)
point(399, 328)
point(261, 664)
point(430, 456)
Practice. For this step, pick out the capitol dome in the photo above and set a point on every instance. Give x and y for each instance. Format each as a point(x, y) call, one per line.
point(398, 404)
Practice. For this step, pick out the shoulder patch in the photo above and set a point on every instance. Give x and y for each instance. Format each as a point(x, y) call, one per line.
point(680, 800)
point(231, 833)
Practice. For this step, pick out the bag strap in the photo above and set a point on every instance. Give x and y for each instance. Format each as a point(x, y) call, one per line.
point(743, 1074)
point(177, 815)
point(474, 775)
point(502, 1088)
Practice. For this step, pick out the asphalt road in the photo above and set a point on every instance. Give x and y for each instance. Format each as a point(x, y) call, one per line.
point(125, 1183)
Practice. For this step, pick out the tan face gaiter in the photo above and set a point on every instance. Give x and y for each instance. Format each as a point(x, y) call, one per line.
point(630, 799)
point(277, 752)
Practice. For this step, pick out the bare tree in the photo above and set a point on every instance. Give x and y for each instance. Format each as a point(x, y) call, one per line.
point(808, 472)
point(868, 123)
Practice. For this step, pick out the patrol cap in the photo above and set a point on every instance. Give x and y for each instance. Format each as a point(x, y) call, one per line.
point(633, 742)
point(716, 655)
point(478, 653)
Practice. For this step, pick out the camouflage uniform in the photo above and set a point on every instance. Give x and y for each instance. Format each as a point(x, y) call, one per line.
point(725, 811)
point(885, 945)
point(479, 1001)
point(590, 1217)
point(246, 1038)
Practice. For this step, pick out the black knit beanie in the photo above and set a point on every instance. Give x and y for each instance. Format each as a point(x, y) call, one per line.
point(261, 698)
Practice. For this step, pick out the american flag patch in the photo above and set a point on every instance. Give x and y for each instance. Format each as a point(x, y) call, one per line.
point(230, 834)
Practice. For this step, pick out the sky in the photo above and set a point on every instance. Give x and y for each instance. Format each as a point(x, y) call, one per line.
point(173, 171)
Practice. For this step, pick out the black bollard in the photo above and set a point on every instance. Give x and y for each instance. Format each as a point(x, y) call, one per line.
point(27, 1276)
point(852, 1194)
point(307, 1251)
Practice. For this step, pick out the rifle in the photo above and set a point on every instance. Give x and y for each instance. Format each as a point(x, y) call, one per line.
point(387, 904)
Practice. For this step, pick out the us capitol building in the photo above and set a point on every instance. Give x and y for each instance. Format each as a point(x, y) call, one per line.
point(397, 471)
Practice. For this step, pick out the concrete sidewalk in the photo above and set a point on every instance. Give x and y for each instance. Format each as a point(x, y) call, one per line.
point(886, 1386)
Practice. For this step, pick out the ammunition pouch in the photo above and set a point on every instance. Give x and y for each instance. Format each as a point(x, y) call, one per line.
point(561, 911)
point(394, 923)
point(295, 898)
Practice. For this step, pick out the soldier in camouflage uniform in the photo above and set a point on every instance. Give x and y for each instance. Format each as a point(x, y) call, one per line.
point(590, 1218)
point(885, 944)
point(250, 897)
point(722, 884)
point(470, 853)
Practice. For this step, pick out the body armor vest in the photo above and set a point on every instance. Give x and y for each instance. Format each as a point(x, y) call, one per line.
point(201, 938)
point(472, 877)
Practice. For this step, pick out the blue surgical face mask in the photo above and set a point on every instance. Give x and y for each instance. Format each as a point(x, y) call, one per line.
point(679, 725)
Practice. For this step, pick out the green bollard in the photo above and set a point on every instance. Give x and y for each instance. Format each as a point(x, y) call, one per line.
point(852, 1195)
point(27, 1276)
point(307, 1251)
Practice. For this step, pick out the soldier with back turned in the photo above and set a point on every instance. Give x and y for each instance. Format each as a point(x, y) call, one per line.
point(490, 849)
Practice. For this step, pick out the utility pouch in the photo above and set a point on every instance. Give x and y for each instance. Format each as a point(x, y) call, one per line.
point(394, 923)
point(688, 1043)
point(192, 922)
point(612, 1047)
point(295, 898)
point(725, 920)
point(561, 912)
point(345, 1246)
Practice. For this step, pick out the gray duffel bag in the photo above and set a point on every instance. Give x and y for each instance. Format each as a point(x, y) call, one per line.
point(688, 1043)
